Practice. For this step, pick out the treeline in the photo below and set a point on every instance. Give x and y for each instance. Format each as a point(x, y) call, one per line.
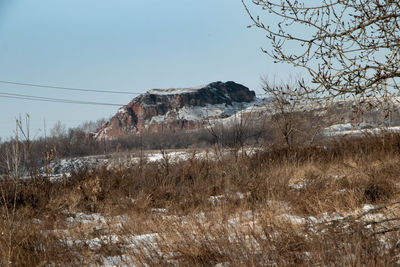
point(248, 129)
point(32, 154)
point(29, 155)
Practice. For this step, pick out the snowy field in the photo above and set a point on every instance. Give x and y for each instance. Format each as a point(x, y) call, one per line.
point(228, 222)
point(352, 129)
point(244, 227)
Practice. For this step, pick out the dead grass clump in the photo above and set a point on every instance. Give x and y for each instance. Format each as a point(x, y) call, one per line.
point(382, 182)
point(24, 243)
point(314, 196)
point(30, 193)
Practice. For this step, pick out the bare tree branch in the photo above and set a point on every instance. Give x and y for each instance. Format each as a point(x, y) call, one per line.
point(347, 47)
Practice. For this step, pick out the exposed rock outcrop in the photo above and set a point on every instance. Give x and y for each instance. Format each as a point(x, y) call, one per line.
point(176, 109)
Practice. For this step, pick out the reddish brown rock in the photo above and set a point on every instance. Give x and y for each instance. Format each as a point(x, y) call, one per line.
point(172, 109)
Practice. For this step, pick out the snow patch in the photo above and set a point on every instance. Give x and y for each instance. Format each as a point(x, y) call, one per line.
point(122, 110)
point(359, 129)
point(83, 218)
point(175, 91)
point(173, 156)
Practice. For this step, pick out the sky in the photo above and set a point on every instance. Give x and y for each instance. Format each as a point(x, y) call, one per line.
point(121, 45)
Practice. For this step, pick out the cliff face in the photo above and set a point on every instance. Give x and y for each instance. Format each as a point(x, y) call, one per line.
point(176, 109)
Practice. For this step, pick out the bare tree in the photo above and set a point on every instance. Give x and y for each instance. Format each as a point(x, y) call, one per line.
point(348, 47)
point(295, 114)
point(238, 133)
point(59, 130)
point(91, 126)
point(18, 161)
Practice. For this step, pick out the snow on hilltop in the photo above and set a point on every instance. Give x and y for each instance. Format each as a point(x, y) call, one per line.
point(177, 109)
point(175, 91)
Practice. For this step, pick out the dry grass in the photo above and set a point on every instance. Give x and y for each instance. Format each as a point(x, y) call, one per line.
point(239, 210)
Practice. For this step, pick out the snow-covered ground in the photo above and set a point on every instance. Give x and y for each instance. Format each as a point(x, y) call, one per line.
point(246, 222)
point(96, 231)
point(210, 112)
point(64, 167)
point(357, 129)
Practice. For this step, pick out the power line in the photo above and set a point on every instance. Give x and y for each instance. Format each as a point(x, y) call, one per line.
point(55, 100)
point(61, 101)
point(68, 88)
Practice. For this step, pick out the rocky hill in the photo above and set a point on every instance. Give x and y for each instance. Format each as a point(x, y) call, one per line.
point(176, 109)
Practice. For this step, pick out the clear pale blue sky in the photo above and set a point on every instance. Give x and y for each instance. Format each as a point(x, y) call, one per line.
point(122, 45)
